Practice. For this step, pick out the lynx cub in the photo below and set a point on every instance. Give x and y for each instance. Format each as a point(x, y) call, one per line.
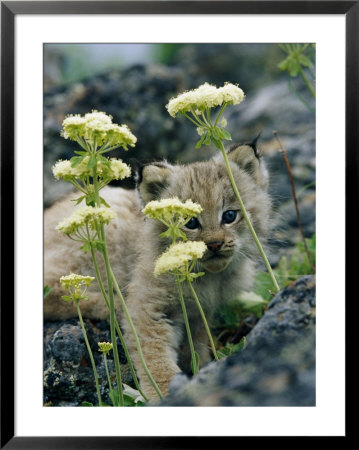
point(134, 245)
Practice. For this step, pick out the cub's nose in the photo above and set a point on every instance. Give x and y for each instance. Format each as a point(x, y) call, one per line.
point(214, 246)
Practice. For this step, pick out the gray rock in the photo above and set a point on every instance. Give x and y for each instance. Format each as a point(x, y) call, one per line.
point(68, 375)
point(67, 344)
point(277, 368)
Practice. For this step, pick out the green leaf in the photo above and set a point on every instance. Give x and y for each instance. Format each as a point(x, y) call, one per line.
point(288, 269)
point(215, 133)
point(283, 65)
point(90, 199)
point(67, 298)
point(75, 160)
point(195, 363)
point(47, 291)
point(86, 247)
point(225, 135)
point(207, 140)
point(182, 278)
point(174, 233)
point(79, 152)
point(192, 276)
point(128, 401)
point(115, 397)
point(200, 142)
point(293, 68)
point(78, 200)
point(263, 285)
point(242, 344)
point(104, 161)
point(86, 404)
point(283, 47)
point(217, 143)
point(230, 349)
point(100, 247)
point(304, 61)
point(92, 162)
point(252, 303)
point(103, 201)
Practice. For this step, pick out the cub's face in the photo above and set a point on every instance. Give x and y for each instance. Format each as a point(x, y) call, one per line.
point(221, 225)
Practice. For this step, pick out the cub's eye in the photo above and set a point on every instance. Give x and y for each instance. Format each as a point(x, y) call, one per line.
point(229, 216)
point(192, 224)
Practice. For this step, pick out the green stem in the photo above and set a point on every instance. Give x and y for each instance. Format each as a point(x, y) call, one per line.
point(206, 120)
point(120, 335)
point(90, 353)
point(111, 302)
point(78, 186)
point(246, 218)
point(98, 275)
point(108, 379)
point(204, 319)
point(82, 143)
point(193, 353)
point(110, 276)
point(134, 333)
point(129, 360)
point(223, 107)
point(190, 118)
point(108, 149)
point(299, 97)
point(306, 81)
point(112, 318)
point(196, 116)
point(208, 113)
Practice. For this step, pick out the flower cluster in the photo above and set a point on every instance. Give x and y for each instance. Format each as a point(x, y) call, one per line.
point(105, 347)
point(64, 169)
point(97, 127)
point(205, 96)
point(172, 209)
point(118, 170)
point(114, 169)
point(87, 215)
point(77, 286)
point(75, 281)
point(177, 257)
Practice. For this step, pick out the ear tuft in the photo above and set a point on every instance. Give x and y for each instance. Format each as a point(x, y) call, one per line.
point(248, 159)
point(152, 179)
point(253, 145)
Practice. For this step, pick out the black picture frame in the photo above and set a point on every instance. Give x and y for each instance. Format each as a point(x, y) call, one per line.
point(9, 10)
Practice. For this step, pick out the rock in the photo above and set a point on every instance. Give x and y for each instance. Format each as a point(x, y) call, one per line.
point(68, 375)
point(277, 368)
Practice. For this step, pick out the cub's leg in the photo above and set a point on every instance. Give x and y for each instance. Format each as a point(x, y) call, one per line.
point(159, 341)
point(156, 341)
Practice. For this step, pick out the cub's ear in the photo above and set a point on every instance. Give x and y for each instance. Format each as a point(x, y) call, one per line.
point(152, 179)
point(248, 159)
